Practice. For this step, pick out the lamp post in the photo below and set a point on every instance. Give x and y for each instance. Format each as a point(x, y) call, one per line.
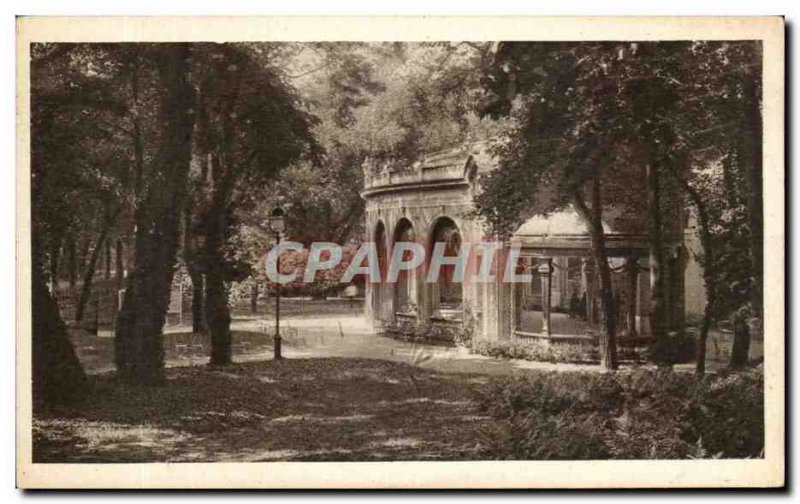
point(277, 225)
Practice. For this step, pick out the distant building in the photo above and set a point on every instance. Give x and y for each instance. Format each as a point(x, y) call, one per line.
point(431, 202)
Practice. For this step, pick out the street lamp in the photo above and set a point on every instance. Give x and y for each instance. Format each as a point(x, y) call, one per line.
point(277, 224)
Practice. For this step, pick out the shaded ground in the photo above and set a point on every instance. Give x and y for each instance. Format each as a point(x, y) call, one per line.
point(299, 409)
point(344, 393)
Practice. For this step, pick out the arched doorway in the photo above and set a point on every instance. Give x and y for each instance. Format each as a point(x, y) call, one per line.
point(405, 289)
point(446, 294)
point(379, 239)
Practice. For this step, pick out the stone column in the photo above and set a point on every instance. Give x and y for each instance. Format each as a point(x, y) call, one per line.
point(546, 272)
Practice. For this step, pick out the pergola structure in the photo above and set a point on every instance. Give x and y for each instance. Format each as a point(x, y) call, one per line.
point(556, 250)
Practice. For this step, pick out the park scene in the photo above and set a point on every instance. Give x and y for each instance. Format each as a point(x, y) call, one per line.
point(341, 251)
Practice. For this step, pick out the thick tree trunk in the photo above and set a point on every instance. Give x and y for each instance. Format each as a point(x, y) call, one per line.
point(755, 200)
point(58, 377)
point(216, 151)
point(594, 219)
point(217, 312)
point(139, 351)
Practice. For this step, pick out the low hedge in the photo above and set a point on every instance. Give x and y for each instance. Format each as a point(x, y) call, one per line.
point(682, 349)
point(556, 352)
point(642, 414)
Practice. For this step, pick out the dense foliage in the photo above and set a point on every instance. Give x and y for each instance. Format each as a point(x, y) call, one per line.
point(632, 134)
point(631, 415)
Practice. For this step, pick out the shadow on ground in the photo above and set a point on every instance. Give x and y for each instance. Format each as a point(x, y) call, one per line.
point(298, 409)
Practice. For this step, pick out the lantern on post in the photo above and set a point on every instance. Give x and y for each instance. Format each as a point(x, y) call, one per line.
point(277, 224)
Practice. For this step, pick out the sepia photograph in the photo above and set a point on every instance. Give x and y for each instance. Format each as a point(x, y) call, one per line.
point(294, 246)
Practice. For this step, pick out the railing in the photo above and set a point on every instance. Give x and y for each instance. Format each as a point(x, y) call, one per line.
point(417, 175)
point(102, 302)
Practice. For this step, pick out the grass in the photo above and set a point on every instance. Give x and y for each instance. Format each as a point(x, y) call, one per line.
point(298, 409)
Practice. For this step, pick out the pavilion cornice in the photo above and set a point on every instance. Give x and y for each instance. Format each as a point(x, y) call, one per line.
point(431, 185)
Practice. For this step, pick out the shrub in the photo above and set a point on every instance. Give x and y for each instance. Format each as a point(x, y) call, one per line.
point(542, 351)
point(729, 414)
point(459, 332)
point(654, 414)
point(680, 347)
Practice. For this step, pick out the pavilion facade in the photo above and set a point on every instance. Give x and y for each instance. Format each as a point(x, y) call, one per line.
point(432, 201)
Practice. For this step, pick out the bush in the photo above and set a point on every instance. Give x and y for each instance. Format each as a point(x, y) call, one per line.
point(681, 347)
point(542, 351)
point(458, 332)
point(632, 415)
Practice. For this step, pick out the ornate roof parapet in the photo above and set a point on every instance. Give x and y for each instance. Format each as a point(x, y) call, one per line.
point(456, 165)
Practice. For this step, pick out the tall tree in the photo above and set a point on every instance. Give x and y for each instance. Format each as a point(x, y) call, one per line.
point(565, 148)
point(77, 173)
point(713, 116)
point(251, 125)
point(139, 352)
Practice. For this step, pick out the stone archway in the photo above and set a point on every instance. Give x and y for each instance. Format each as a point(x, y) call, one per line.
point(446, 296)
point(377, 296)
point(405, 297)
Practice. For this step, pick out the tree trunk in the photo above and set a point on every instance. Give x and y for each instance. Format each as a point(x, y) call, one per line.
point(58, 377)
point(107, 272)
point(83, 254)
point(709, 280)
point(632, 271)
point(594, 219)
point(139, 350)
point(198, 304)
point(216, 222)
point(755, 211)
point(194, 269)
point(661, 348)
point(217, 312)
point(55, 255)
point(120, 265)
point(755, 201)
point(136, 133)
point(254, 297)
point(72, 264)
point(197, 185)
point(741, 339)
point(88, 275)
